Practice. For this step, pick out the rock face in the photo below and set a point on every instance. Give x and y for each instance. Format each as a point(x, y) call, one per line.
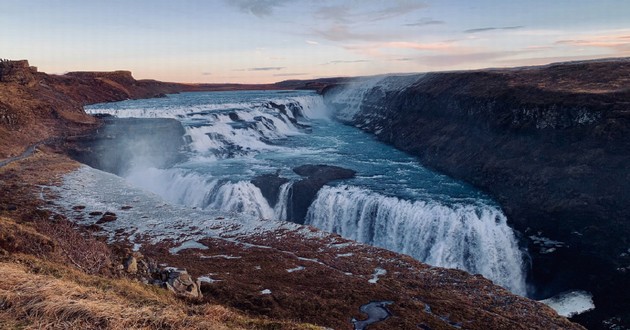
point(551, 144)
point(304, 191)
point(269, 185)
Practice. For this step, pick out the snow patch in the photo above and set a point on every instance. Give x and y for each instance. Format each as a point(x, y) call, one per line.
point(265, 291)
point(191, 244)
point(207, 279)
point(345, 255)
point(223, 256)
point(571, 303)
point(298, 268)
point(377, 273)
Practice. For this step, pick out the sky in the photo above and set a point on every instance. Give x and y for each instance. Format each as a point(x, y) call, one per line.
point(260, 41)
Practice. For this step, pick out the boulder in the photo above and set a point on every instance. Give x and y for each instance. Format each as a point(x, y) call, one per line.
point(130, 265)
point(179, 282)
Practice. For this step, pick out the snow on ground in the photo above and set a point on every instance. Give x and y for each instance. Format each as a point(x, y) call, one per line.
point(571, 303)
point(265, 291)
point(345, 255)
point(298, 268)
point(191, 244)
point(151, 218)
point(222, 256)
point(207, 279)
point(377, 273)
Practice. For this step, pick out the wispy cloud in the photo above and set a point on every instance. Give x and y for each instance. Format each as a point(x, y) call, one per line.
point(618, 42)
point(465, 59)
point(434, 46)
point(341, 32)
point(289, 74)
point(345, 62)
point(258, 8)
point(264, 68)
point(206, 74)
point(356, 14)
point(267, 68)
point(487, 29)
point(311, 42)
point(425, 22)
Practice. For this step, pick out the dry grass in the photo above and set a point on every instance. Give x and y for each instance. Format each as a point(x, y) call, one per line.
point(35, 294)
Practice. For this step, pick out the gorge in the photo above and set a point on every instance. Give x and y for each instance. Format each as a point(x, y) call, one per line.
point(536, 203)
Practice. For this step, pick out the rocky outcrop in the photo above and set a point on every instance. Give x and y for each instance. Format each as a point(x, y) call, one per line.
point(302, 192)
point(269, 185)
point(551, 144)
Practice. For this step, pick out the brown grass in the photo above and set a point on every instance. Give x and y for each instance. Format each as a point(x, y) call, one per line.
point(36, 294)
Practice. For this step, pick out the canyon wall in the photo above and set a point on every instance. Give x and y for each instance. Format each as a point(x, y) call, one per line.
point(551, 144)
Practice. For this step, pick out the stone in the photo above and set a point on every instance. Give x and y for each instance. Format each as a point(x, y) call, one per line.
point(131, 265)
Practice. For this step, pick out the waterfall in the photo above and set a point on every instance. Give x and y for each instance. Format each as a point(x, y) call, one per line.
point(474, 238)
point(191, 189)
point(284, 196)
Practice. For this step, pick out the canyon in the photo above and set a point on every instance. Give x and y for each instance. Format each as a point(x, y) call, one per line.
point(548, 143)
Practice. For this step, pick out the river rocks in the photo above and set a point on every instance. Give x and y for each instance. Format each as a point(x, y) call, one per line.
point(107, 217)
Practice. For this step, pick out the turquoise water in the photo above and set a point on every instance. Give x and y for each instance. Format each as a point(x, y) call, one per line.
point(393, 201)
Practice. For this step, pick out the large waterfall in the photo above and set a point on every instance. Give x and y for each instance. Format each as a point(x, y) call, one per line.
point(475, 238)
point(393, 202)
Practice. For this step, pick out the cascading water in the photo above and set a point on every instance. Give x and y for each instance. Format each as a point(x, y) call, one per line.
point(393, 202)
point(471, 237)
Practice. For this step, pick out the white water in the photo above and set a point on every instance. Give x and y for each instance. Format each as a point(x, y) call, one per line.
point(439, 222)
point(475, 238)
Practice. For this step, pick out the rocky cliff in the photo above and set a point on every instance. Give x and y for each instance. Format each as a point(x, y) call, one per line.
point(550, 143)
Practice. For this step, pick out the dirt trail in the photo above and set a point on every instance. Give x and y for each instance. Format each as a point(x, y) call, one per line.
point(27, 153)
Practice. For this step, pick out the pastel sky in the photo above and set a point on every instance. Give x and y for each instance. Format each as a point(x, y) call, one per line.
point(255, 41)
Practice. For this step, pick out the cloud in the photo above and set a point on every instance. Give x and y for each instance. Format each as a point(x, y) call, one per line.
point(355, 14)
point(311, 42)
point(340, 32)
point(425, 22)
point(434, 46)
point(618, 42)
point(267, 68)
point(486, 29)
point(258, 8)
point(465, 59)
point(206, 74)
point(345, 62)
point(289, 74)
